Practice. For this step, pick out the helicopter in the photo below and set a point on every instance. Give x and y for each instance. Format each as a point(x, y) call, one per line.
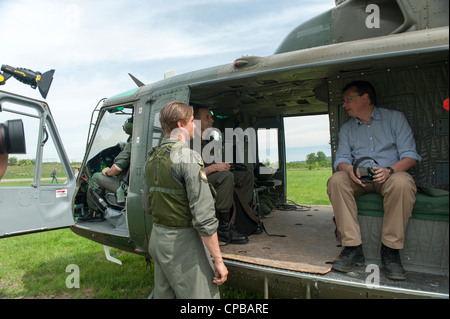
point(404, 52)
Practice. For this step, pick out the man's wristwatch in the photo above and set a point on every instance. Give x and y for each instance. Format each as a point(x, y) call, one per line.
point(391, 170)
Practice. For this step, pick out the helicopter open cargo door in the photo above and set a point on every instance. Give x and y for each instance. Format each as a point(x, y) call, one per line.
point(37, 188)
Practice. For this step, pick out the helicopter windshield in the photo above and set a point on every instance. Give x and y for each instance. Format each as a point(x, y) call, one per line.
point(110, 130)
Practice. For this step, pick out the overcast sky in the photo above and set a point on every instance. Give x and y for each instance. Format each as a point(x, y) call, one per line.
point(93, 45)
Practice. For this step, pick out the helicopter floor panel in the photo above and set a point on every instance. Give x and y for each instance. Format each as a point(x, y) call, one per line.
point(103, 227)
point(309, 246)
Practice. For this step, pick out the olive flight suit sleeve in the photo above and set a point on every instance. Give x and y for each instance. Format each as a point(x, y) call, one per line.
point(201, 202)
point(122, 161)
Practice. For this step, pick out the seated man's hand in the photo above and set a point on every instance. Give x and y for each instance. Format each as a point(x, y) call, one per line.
point(218, 167)
point(381, 175)
point(105, 170)
point(355, 178)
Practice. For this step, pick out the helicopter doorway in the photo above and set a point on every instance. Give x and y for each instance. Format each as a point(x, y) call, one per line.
point(100, 203)
point(308, 159)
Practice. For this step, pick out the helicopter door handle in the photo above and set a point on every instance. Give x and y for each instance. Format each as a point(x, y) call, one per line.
point(45, 137)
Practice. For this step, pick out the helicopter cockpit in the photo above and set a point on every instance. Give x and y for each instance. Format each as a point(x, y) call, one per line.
point(97, 198)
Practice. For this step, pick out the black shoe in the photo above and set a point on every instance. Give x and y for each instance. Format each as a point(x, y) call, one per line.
point(350, 257)
point(392, 265)
point(232, 237)
point(259, 229)
point(228, 233)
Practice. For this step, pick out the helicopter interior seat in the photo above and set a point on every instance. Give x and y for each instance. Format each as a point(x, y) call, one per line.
point(111, 199)
point(117, 200)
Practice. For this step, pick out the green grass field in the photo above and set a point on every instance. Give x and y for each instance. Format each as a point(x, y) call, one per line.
point(308, 187)
point(26, 173)
point(34, 265)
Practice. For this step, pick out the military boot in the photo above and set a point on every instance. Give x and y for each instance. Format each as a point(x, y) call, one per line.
point(392, 265)
point(229, 234)
point(349, 257)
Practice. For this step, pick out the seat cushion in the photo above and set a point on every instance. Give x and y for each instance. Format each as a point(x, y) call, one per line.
point(431, 204)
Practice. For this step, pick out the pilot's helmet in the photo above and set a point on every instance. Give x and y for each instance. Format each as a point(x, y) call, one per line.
point(128, 126)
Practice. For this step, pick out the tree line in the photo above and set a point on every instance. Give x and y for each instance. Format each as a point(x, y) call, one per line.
point(23, 162)
point(313, 160)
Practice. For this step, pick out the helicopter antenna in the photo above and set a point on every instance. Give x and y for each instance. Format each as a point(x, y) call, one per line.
point(138, 82)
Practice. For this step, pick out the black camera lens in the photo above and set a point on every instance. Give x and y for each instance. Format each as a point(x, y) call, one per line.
point(12, 137)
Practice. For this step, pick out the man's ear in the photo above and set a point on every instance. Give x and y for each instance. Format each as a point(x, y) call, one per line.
point(180, 124)
point(365, 96)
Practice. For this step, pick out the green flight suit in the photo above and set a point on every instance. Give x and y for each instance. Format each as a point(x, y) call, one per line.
point(102, 184)
point(183, 210)
point(225, 181)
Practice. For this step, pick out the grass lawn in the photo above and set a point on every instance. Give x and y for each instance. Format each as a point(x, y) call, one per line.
point(34, 265)
point(308, 187)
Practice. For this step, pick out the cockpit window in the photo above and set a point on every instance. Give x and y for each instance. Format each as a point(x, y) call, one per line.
point(110, 131)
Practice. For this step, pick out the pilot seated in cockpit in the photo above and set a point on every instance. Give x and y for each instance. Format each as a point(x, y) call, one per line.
point(110, 179)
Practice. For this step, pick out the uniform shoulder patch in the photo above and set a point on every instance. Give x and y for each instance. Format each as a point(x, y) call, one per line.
point(203, 176)
point(198, 158)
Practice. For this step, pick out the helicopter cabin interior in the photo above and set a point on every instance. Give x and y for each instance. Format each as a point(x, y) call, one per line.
point(416, 87)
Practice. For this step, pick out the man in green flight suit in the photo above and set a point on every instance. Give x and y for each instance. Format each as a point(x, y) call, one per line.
point(183, 213)
point(109, 180)
point(224, 180)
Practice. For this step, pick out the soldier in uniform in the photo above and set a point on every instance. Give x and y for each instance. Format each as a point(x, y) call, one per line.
point(183, 213)
point(109, 179)
point(224, 180)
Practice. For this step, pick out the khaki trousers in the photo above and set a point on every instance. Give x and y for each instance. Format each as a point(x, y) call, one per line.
point(399, 197)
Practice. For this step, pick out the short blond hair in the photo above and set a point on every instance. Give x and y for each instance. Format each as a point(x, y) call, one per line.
point(173, 112)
